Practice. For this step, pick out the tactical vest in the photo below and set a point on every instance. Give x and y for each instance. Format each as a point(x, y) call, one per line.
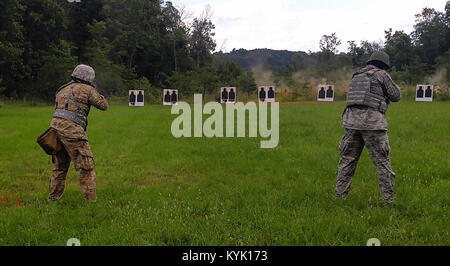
point(363, 92)
point(79, 117)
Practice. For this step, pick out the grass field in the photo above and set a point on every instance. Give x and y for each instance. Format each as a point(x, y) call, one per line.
point(154, 189)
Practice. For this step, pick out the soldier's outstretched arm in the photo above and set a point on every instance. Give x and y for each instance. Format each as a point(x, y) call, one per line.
point(98, 100)
point(392, 90)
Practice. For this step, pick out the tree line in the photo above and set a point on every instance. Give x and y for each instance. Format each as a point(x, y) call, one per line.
point(153, 45)
point(147, 44)
point(414, 56)
point(423, 56)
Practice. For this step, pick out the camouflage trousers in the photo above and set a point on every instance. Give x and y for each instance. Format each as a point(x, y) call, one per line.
point(350, 148)
point(80, 153)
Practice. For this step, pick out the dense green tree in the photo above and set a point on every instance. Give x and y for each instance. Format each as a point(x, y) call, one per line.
point(430, 35)
point(110, 76)
point(405, 62)
point(357, 53)
point(184, 82)
point(206, 79)
point(329, 43)
point(360, 54)
point(149, 44)
point(11, 46)
point(247, 83)
point(328, 46)
point(134, 29)
point(228, 72)
point(447, 22)
point(55, 71)
point(44, 24)
point(400, 48)
point(326, 57)
point(202, 38)
point(80, 15)
point(178, 36)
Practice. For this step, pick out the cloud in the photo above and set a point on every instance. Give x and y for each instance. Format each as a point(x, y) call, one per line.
point(299, 25)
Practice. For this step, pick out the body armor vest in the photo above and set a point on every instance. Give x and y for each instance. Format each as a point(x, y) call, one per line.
point(78, 117)
point(363, 92)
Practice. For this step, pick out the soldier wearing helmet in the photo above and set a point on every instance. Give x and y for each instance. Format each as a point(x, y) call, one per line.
point(73, 103)
point(371, 91)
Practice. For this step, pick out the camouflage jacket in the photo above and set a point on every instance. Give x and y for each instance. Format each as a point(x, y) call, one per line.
point(367, 118)
point(86, 96)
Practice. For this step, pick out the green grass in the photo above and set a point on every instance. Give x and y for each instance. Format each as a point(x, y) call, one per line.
point(154, 189)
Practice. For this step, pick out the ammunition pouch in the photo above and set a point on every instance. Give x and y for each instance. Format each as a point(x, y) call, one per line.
point(49, 142)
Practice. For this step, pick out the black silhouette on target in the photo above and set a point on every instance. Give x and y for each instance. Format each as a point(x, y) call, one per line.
point(140, 97)
point(330, 92)
point(428, 92)
point(420, 92)
point(232, 95)
point(322, 93)
point(132, 98)
point(174, 97)
point(167, 97)
point(224, 95)
point(271, 93)
point(262, 95)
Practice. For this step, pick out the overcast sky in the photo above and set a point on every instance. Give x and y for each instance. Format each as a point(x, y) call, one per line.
point(298, 25)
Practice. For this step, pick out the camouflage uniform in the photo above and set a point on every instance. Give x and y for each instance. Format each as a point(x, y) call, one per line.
point(367, 126)
point(74, 140)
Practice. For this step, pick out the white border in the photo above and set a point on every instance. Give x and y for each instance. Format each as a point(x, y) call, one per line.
point(228, 90)
point(266, 89)
point(327, 99)
point(136, 104)
point(425, 99)
point(170, 92)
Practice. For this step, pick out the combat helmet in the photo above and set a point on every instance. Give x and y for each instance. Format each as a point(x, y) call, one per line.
point(84, 73)
point(381, 57)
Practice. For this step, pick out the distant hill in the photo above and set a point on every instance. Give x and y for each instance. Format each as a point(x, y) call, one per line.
point(277, 60)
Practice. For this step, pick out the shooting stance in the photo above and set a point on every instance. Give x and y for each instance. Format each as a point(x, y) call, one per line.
point(69, 124)
point(371, 91)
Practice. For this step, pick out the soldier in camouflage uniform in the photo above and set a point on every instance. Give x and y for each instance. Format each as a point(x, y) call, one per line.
point(73, 103)
point(371, 91)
